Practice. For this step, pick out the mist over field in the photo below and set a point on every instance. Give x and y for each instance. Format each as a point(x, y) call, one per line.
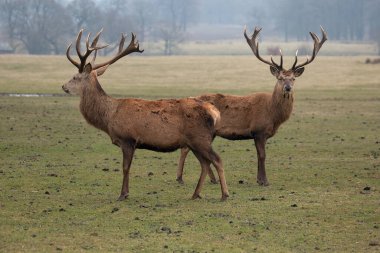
point(167, 27)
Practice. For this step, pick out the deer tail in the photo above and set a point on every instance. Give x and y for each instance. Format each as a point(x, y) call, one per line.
point(214, 112)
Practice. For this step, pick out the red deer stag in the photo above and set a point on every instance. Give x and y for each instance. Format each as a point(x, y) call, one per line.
point(162, 125)
point(259, 115)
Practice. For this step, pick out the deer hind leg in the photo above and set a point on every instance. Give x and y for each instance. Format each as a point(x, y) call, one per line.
point(213, 179)
point(204, 165)
point(181, 164)
point(217, 162)
point(211, 157)
point(128, 151)
point(260, 148)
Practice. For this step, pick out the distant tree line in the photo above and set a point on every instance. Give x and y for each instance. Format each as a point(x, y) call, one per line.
point(45, 26)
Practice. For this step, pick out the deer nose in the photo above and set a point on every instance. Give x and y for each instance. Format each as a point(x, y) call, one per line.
point(288, 88)
point(64, 89)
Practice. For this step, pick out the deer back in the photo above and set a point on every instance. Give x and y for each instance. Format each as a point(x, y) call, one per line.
point(163, 125)
point(240, 115)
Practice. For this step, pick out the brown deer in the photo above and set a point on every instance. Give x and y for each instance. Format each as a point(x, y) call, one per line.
point(162, 125)
point(257, 116)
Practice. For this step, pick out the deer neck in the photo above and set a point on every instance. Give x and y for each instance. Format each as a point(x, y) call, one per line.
point(95, 105)
point(281, 106)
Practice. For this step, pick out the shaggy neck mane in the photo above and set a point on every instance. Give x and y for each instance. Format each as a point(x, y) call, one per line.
point(282, 105)
point(95, 104)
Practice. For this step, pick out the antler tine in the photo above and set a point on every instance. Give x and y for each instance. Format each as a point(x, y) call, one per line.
point(89, 49)
point(317, 46)
point(122, 40)
point(254, 45)
point(93, 58)
point(93, 47)
point(76, 64)
point(132, 47)
point(79, 37)
point(295, 60)
point(95, 41)
point(87, 42)
point(281, 61)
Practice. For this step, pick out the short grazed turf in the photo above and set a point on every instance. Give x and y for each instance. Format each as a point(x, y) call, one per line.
point(60, 178)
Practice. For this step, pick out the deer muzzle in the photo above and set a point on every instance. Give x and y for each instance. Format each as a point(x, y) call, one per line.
point(65, 89)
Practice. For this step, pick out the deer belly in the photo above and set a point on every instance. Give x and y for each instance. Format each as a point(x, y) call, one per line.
point(158, 138)
point(234, 132)
point(150, 133)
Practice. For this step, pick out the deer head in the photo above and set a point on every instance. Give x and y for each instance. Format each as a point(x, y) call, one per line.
point(88, 71)
point(286, 78)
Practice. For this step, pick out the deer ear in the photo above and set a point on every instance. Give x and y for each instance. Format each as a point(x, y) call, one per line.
point(274, 71)
point(298, 72)
point(88, 68)
point(100, 71)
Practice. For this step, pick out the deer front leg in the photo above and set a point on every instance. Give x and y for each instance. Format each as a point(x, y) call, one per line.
point(128, 151)
point(217, 162)
point(260, 148)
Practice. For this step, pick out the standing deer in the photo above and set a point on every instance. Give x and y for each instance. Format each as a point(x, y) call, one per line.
point(257, 116)
point(162, 125)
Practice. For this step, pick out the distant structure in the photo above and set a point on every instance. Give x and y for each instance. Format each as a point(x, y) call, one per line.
point(5, 48)
point(373, 61)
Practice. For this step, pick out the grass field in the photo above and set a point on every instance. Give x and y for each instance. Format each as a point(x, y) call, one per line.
point(60, 178)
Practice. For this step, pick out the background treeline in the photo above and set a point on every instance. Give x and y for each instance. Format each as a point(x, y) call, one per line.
point(46, 26)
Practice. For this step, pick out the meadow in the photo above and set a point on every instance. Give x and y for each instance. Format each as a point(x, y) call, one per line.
point(60, 178)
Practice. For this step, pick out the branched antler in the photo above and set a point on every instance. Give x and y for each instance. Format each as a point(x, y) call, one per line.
point(254, 44)
point(89, 49)
point(132, 47)
point(317, 46)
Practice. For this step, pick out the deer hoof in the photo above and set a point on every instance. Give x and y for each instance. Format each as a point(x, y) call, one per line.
point(122, 197)
point(180, 180)
point(263, 182)
point(214, 181)
point(196, 196)
point(224, 197)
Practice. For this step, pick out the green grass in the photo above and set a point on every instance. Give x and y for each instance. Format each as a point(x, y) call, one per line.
point(59, 177)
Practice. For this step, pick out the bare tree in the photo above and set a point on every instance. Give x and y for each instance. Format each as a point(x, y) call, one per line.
point(55, 25)
point(189, 11)
point(12, 12)
point(144, 16)
point(168, 27)
point(373, 19)
point(37, 25)
point(115, 18)
point(85, 14)
point(171, 37)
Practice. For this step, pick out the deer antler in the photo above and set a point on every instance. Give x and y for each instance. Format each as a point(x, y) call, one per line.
point(317, 46)
point(254, 44)
point(132, 47)
point(89, 49)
